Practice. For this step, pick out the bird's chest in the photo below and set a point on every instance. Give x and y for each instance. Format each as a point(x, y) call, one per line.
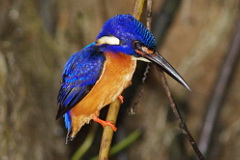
point(116, 75)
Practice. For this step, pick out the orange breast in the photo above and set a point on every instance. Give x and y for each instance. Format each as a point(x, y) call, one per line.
point(116, 76)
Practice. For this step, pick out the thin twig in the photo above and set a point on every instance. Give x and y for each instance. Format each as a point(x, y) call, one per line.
point(164, 19)
point(114, 107)
point(138, 8)
point(174, 106)
point(177, 113)
point(149, 14)
point(148, 67)
point(220, 92)
point(140, 94)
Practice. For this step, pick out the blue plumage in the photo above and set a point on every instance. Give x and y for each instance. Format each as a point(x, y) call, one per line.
point(67, 120)
point(84, 67)
point(122, 35)
point(80, 73)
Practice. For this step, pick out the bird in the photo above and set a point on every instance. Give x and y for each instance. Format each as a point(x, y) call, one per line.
point(97, 75)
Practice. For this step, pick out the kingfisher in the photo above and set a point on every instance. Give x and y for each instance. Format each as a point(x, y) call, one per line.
point(97, 75)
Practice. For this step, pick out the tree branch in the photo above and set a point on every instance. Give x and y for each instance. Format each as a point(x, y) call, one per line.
point(114, 107)
point(177, 113)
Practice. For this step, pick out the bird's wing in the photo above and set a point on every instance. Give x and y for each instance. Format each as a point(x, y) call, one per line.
point(80, 74)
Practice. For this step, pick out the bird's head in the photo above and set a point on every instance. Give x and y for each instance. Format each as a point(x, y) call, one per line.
point(123, 33)
point(120, 33)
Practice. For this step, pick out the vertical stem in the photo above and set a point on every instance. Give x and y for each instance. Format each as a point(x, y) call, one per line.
point(177, 113)
point(114, 107)
point(138, 8)
point(149, 14)
point(108, 132)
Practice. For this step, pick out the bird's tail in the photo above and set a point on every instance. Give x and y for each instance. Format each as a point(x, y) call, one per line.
point(70, 136)
point(76, 125)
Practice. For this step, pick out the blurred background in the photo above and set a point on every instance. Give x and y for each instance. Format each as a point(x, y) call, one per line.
point(195, 36)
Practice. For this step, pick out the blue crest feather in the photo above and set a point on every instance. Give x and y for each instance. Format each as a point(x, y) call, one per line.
point(125, 26)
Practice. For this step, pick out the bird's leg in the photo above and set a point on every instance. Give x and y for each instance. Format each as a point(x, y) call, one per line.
point(105, 123)
point(120, 97)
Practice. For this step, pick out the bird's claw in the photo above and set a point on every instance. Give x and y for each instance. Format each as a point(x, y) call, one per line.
point(120, 97)
point(105, 123)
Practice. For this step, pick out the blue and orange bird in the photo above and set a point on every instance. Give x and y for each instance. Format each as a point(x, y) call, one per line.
point(97, 75)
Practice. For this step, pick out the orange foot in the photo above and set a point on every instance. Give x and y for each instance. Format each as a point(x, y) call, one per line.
point(105, 123)
point(120, 97)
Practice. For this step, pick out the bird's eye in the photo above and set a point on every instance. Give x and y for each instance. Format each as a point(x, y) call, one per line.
point(141, 49)
point(137, 45)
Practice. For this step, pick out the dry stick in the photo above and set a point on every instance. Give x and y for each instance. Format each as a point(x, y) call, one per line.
point(114, 107)
point(140, 93)
point(220, 92)
point(174, 107)
point(149, 14)
point(108, 131)
point(138, 8)
point(147, 69)
point(177, 113)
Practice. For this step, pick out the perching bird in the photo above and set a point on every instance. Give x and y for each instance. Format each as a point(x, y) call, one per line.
point(97, 75)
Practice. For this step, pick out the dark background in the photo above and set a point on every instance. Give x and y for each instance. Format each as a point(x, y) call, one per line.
point(38, 36)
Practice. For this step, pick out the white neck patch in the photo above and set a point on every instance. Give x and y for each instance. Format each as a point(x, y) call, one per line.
point(140, 59)
point(111, 40)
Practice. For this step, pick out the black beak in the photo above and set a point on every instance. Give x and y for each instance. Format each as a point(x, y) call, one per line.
point(156, 58)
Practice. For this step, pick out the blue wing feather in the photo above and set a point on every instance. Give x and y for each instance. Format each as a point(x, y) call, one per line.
point(80, 74)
